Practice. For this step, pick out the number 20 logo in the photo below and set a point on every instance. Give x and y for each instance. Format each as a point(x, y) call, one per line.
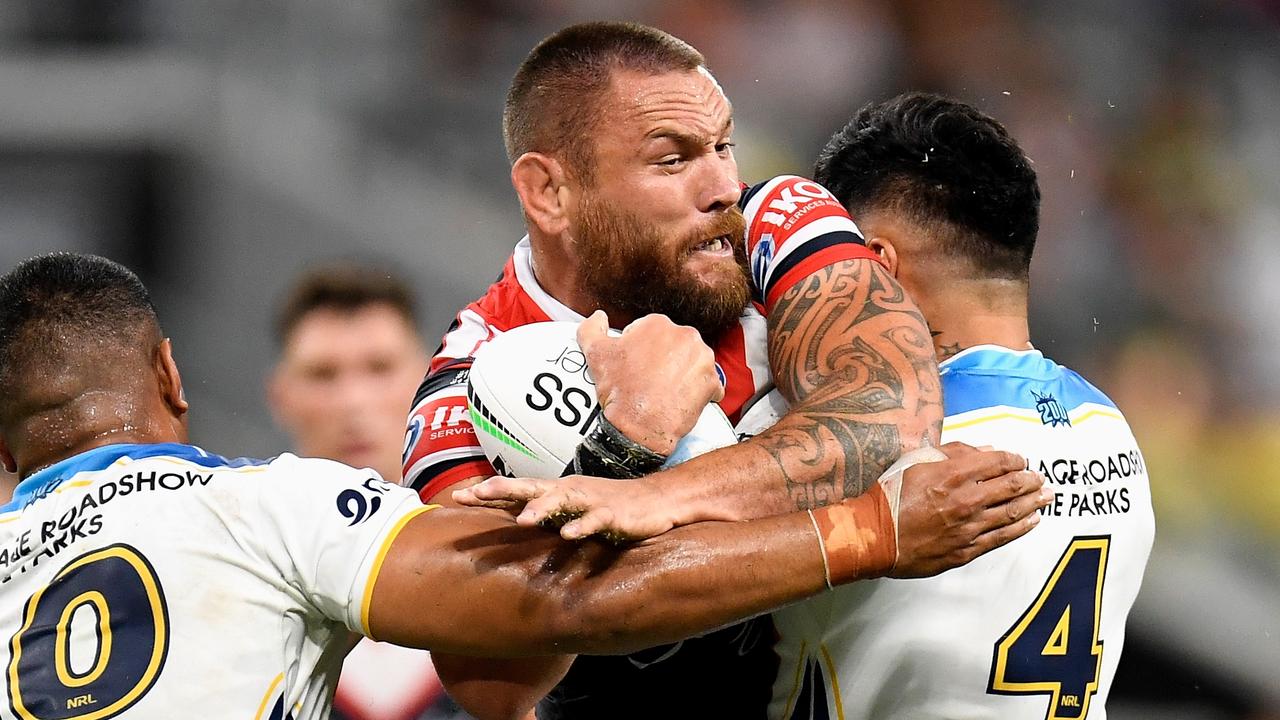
point(1053, 649)
point(119, 588)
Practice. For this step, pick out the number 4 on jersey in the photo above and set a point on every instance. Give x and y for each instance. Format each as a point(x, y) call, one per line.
point(1053, 649)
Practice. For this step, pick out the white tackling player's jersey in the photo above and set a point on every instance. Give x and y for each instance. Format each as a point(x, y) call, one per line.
point(1030, 631)
point(159, 581)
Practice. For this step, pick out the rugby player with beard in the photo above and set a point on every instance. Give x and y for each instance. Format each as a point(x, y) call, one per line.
point(620, 142)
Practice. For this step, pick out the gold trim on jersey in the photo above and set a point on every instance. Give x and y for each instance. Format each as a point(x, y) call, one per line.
point(1057, 643)
point(160, 642)
point(271, 691)
point(16, 514)
point(835, 681)
point(377, 564)
point(1024, 415)
point(801, 661)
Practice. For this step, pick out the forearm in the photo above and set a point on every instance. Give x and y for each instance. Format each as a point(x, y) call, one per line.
point(494, 589)
point(851, 354)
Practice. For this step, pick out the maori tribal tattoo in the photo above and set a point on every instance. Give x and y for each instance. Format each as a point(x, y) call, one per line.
point(854, 358)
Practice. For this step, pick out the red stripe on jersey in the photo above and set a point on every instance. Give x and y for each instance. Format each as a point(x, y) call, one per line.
point(739, 384)
point(506, 305)
point(503, 306)
point(475, 468)
point(815, 262)
point(441, 424)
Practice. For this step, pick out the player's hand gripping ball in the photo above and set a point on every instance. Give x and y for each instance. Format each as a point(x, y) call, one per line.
point(533, 401)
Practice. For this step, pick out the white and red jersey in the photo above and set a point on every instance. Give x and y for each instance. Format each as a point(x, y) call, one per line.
point(794, 227)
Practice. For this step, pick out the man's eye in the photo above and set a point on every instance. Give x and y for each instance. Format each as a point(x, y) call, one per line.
point(671, 161)
point(321, 374)
point(724, 147)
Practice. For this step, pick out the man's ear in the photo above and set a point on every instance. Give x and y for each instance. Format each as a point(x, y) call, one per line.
point(6, 457)
point(883, 247)
point(170, 380)
point(542, 184)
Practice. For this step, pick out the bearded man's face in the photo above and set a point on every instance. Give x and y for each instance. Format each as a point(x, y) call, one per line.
point(698, 279)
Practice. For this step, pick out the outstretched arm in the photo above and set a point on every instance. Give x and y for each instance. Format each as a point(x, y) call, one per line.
point(472, 582)
point(850, 353)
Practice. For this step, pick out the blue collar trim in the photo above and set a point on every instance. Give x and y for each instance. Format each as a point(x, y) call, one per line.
point(38, 484)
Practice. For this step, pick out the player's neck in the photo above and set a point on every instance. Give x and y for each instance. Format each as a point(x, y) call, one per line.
point(961, 320)
point(84, 428)
point(558, 276)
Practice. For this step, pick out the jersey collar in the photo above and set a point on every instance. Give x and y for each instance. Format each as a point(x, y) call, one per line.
point(40, 483)
point(522, 258)
point(993, 359)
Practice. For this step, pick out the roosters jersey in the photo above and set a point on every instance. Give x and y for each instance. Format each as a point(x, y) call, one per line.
point(159, 581)
point(1032, 630)
point(793, 228)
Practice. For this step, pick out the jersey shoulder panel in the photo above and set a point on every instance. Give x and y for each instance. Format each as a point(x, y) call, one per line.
point(795, 227)
point(326, 526)
point(986, 377)
point(440, 446)
point(504, 305)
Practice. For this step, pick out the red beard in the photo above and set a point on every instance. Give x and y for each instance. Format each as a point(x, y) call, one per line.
point(631, 271)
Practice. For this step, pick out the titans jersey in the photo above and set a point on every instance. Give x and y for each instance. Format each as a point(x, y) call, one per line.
point(794, 227)
point(159, 581)
point(1030, 631)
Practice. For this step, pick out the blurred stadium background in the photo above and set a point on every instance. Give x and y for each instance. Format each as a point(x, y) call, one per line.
point(219, 147)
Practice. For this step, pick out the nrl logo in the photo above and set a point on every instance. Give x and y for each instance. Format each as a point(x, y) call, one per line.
point(1051, 411)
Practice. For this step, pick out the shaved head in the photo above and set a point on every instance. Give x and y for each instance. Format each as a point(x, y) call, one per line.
point(80, 349)
point(554, 103)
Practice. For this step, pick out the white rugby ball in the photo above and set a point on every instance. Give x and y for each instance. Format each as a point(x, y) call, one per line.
point(532, 400)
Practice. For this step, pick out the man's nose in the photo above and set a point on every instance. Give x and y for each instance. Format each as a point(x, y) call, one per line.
point(722, 188)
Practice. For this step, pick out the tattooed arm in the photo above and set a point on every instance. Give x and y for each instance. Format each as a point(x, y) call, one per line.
point(852, 355)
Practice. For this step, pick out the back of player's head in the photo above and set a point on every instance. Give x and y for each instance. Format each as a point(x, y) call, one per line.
point(554, 99)
point(346, 288)
point(64, 316)
point(949, 168)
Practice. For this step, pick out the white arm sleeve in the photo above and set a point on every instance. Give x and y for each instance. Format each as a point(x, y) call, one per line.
point(328, 526)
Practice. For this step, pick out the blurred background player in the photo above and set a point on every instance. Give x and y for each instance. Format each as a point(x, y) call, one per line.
point(350, 356)
point(1034, 629)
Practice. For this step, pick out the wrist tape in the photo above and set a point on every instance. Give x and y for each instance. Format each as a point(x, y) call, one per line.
point(859, 537)
point(607, 452)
